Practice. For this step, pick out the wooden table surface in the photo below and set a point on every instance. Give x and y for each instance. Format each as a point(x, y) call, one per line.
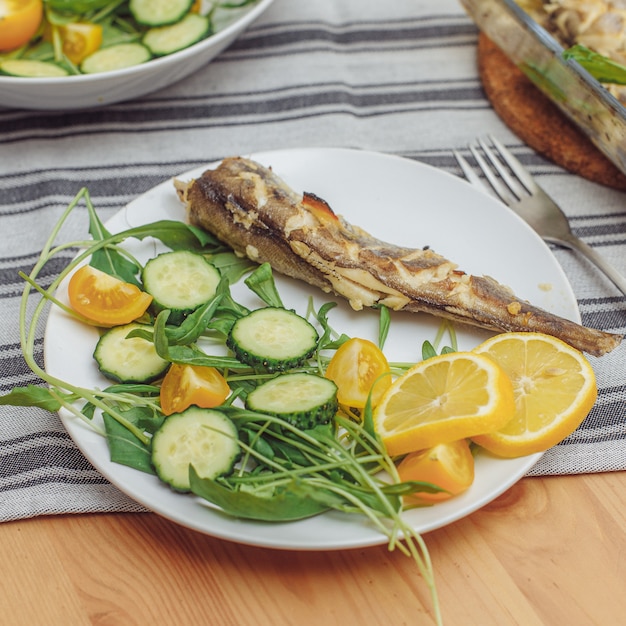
point(551, 551)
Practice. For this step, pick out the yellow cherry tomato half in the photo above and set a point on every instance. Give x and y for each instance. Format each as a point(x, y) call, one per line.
point(449, 466)
point(19, 21)
point(187, 385)
point(104, 299)
point(80, 39)
point(354, 368)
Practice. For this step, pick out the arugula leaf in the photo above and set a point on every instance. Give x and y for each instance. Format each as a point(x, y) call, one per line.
point(258, 444)
point(179, 236)
point(124, 447)
point(194, 324)
point(138, 389)
point(31, 395)
point(232, 267)
point(292, 502)
point(112, 262)
point(326, 342)
point(261, 282)
point(173, 234)
point(107, 258)
point(192, 355)
point(428, 351)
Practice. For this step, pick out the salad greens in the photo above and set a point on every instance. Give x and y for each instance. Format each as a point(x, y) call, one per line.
point(130, 31)
point(286, 473)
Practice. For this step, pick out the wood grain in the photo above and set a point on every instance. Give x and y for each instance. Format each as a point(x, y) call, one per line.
point(549, 551)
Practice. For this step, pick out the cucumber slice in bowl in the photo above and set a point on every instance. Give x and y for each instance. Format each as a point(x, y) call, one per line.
point(27, 68)
point(301, 399)
point(159, 12)
point(273, 338)
point(180, 281)
point(125, 360)
point(115, 57)
point(204, 438)
point(168, 39)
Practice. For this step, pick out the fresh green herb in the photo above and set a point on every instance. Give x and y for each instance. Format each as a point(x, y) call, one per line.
point(383, 326)
point(600, 67)
point(329, 339)
point(261, 282)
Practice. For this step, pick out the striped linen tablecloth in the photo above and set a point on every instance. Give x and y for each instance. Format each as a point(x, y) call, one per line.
point(396, 77)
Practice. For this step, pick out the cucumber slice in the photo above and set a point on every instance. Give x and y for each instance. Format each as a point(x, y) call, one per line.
point(159, 12)
point(180, 281)
point(31, 69)
point(301, 399)
point(167, 39)
point(115, 57)
point(125, 360)
point(204, 438)
point(274, 338)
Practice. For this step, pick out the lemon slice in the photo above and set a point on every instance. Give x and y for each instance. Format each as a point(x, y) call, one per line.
point(443, 399)
point(554, 386)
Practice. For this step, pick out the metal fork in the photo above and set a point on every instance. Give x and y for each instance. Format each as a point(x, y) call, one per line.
point(522, 194)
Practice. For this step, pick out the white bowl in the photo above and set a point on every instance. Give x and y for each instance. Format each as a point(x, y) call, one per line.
point(93, 90)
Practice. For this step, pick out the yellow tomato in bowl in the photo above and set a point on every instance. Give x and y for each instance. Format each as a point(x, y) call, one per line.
point(80, 39)
point(19, 21)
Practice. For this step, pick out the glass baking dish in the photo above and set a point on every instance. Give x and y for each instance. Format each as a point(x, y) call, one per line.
point(539, 56)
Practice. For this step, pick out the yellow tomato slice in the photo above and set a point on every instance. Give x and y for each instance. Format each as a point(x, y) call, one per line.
point(104, 299)
point(80, 39)
point(449, 466)
point(19, 21)
point(187, 385)
point(354, 368)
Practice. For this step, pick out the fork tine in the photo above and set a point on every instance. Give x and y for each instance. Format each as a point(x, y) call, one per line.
point(494, 181)
point(514, 185)
point(516, 167)
point(468, 172)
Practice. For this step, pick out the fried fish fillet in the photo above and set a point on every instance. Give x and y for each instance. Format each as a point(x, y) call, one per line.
point(248, 207)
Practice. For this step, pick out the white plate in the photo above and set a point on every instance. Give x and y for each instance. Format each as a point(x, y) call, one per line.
point(398, 200)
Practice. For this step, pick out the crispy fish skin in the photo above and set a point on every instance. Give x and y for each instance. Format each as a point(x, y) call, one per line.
point(248, 207)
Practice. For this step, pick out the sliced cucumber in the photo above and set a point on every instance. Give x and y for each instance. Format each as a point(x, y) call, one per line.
point(303, 400)
point(159, 12)
point(167, 39)
point(31, 69)
point(115, 57)
point(180, 281)
point(126, 360)
point(274, 338)
point(204, 438)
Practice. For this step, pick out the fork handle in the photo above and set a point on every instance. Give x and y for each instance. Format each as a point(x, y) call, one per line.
point(597, 259)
